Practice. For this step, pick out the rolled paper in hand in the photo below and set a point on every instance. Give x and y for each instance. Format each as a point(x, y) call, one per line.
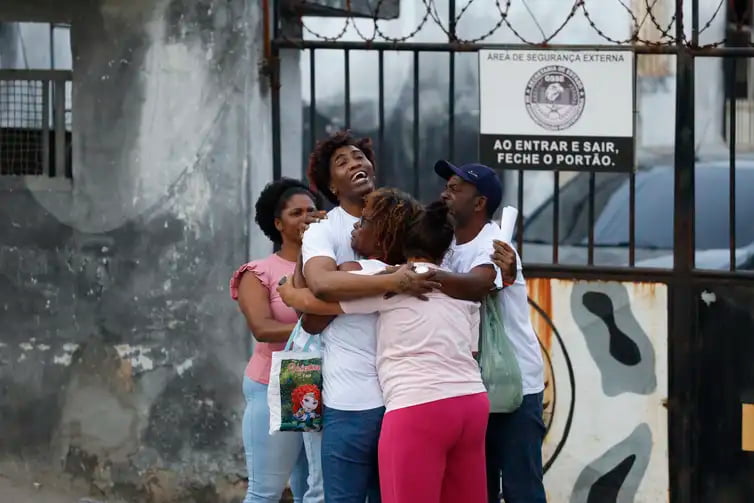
point(508, 224)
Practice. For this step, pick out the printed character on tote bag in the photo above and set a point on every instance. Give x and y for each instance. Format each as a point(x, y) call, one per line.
point(295, 391)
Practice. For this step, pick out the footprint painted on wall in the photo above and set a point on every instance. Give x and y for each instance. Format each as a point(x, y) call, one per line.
point(616, 342)
point(622, 348)
point(615, 476)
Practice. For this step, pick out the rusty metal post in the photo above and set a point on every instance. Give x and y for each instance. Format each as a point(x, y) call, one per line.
point(683, 339)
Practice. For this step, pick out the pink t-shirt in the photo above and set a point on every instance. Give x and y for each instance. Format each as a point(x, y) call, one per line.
point(269, 271)
point(424, 348)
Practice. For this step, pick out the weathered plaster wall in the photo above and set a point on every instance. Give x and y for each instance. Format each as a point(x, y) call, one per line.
point(120, 352)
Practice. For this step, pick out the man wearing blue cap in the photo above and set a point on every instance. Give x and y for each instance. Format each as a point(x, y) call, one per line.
point(514, 441)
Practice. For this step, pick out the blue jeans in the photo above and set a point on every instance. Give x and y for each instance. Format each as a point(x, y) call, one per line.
point(272, 459)
point(349, 455)
point(514, 450)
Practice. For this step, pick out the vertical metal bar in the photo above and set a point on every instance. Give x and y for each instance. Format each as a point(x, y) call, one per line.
point(451, 106)
point(732, 153)
point(684, 164)
point(275, 102)
point(632, 218)
point(452, 21)
point(451, 81)
point(590, 250)
point(52, 46)
point(381, 105)
point(274, 69)
point(59, 127)
point(555, 215)
point(415, 187)
point(632, 178)
point(312, 100)
point(46, 128)
point(520, 207)
point(683, 340)
point(347, 69)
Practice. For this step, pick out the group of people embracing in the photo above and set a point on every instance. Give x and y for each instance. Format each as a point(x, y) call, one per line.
point(393, 287)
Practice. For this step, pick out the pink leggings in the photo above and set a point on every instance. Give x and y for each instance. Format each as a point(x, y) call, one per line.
point(434, 452)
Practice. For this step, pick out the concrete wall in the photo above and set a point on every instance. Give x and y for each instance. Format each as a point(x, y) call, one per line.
point(121, 354)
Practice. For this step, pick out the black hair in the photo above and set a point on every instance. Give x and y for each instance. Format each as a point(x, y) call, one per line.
point(272, 201)
point(318, 171)
point(488, 209)
point(430, 234)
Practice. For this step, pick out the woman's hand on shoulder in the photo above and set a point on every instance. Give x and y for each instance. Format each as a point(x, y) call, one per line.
point(311, 218)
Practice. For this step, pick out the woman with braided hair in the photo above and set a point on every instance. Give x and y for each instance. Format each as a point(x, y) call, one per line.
point(431, 445)
point(350, 436)
point(342, 168)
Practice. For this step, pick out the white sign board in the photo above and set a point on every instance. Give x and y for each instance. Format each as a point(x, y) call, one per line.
point(553, 109)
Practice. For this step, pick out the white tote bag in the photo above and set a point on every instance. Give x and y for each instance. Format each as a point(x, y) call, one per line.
point(295, 391)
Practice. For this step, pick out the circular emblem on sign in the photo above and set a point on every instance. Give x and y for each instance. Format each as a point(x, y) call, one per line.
point(555, 97)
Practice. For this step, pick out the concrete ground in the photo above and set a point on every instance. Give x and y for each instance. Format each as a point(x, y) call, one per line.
point(12, 491)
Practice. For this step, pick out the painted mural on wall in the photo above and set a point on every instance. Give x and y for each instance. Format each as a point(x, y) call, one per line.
point(605, 347)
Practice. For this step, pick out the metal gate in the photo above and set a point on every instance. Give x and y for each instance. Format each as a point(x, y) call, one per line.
point(708, 308)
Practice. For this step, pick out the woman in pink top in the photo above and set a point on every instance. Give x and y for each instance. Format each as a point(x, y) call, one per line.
point(281, 212)
point(431, 446)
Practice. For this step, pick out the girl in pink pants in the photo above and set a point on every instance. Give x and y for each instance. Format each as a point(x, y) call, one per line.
point(432, 441)
point(431, 447)
point(434, 452)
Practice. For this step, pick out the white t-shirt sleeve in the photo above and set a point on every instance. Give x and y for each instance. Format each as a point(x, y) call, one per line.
point(483, 256)
point(366, 305)
point(477, 253)
point(317, 242)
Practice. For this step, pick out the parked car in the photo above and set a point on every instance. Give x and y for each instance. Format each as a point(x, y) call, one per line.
point(654, 218)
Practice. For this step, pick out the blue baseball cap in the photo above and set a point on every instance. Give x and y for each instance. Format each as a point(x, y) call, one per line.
point(480, 176)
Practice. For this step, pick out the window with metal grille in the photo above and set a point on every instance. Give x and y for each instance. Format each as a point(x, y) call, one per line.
point(35, 100)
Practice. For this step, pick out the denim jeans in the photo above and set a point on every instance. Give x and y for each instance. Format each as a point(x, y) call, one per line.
point(272, 459)
point(349, 455)
point(514, 450)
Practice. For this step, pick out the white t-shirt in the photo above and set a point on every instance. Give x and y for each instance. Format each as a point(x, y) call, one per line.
point(424, 348)
point(514, 304)
point(349, 371)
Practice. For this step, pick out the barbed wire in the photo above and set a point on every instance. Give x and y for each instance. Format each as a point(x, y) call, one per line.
point(645, 16)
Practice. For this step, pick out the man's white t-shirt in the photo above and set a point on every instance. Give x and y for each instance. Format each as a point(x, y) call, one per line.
point(349, 370)
point(514, 304)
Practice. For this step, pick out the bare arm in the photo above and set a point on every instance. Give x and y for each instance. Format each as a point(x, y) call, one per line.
point(303, 300)
point(310, 322)
point(327, 283)
point(254, 302)
point(474, 285)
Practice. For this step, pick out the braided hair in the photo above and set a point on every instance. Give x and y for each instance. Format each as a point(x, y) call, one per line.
point(391, 212)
